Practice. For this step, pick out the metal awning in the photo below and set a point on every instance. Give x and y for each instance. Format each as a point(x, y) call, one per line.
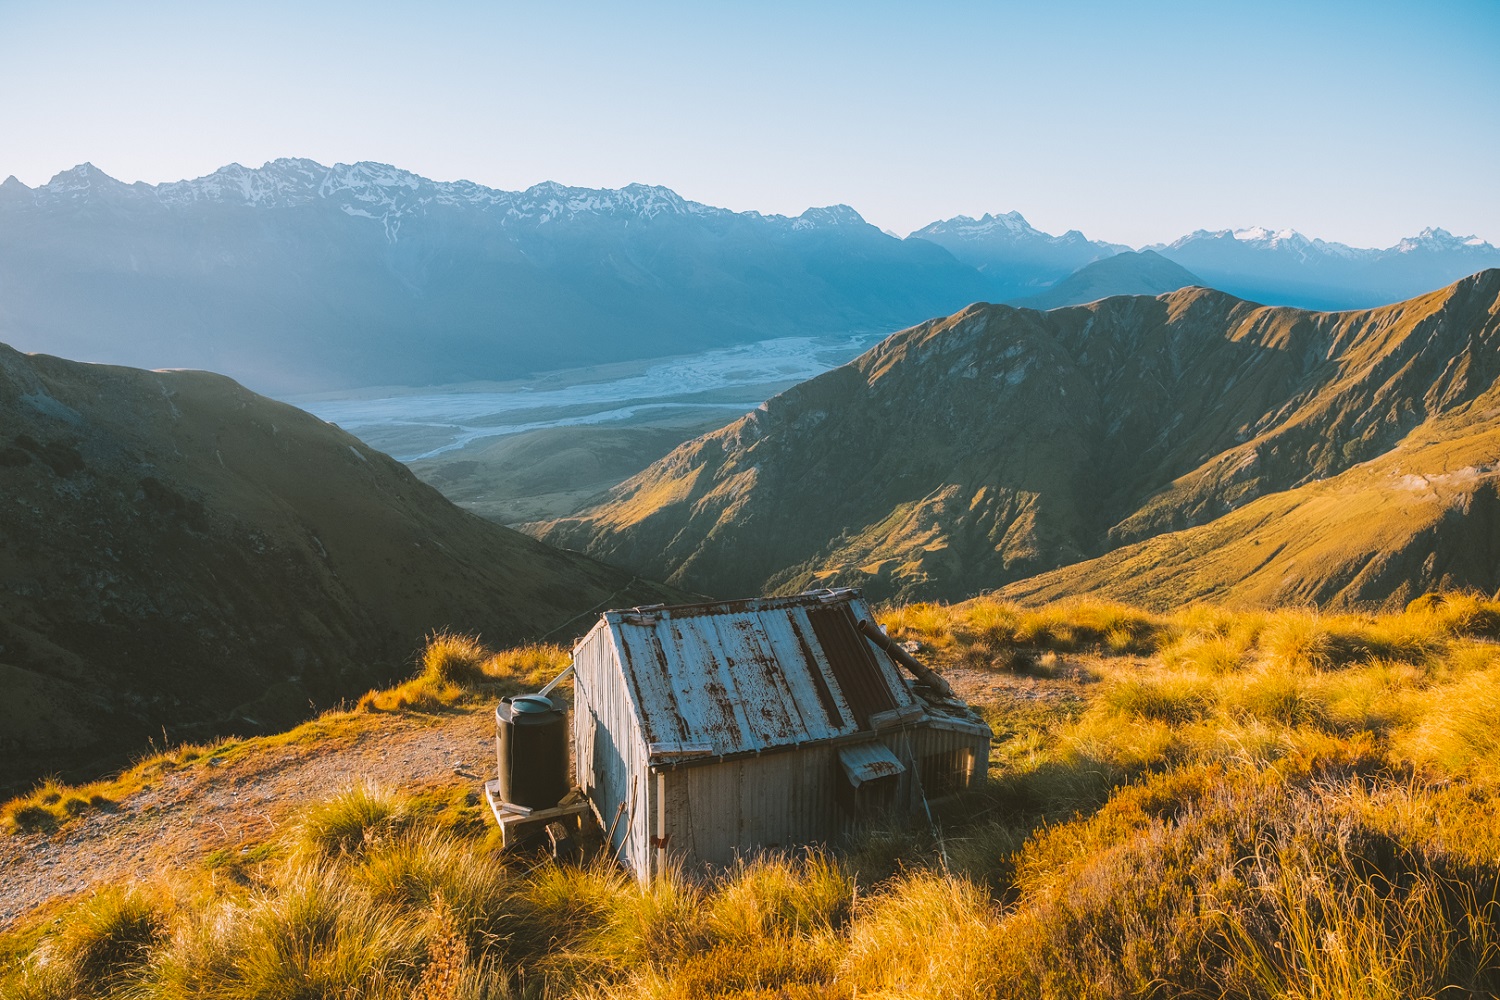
point(864, 762)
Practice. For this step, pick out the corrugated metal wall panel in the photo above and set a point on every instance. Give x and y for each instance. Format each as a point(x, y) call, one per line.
point(721, 812)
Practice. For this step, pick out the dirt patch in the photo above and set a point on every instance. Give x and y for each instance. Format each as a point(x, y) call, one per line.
point(230, 803)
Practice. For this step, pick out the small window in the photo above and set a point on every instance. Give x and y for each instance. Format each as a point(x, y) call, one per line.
point(872, 779)
point(947, 772)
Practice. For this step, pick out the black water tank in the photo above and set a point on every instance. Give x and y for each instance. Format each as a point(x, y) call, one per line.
point(531, 743)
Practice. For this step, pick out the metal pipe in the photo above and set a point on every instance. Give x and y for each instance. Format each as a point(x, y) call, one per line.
point(554, 682)
point(901, 656)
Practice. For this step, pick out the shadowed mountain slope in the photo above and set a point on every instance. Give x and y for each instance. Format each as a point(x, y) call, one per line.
point(1131, 273)
point(979, 449)
point(180, 554)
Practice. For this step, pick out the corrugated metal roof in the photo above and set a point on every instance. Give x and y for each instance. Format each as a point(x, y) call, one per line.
point(752, 675)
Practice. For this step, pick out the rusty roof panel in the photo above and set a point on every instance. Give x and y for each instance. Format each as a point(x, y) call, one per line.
point(865, 687)
point(750, 675)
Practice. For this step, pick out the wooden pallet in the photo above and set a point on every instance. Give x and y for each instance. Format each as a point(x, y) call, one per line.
point(516, 821)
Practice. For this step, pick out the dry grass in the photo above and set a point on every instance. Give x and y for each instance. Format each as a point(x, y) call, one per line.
point(456, 670)
point(1210, 803)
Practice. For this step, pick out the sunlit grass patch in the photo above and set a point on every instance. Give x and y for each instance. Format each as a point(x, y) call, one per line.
point(1209, 654)
point(52, 804)
point(107, 937)
point(1166, 697)
point(311, 934)
point(781, 896)
point(924, 935)
point(1221, 784)
point(429, 869)
point(456, 669)
point(1460, 731)
point(1460, 613)
point(1278, 697)
point(346, 822)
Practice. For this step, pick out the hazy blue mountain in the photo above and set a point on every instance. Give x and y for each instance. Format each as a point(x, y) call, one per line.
point(1016, 259)
point(1286, 268)
point(300, 277)
point(1271, 267)
point(1142, 272)
point(296, 276)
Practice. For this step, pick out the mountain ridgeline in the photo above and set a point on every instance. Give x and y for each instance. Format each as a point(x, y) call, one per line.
point(974, 451)
point(179, 555)
point(297, 277)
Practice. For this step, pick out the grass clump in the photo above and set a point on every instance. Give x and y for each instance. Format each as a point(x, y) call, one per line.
point(924, 934)
point(451, 658)
point(347, 822)
point(104, 941)
point(52, 804)
point(776, 896)
point(1166, 698)
point(456, 670)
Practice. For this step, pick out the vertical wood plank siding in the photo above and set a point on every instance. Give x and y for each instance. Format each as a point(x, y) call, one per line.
point(609, 754)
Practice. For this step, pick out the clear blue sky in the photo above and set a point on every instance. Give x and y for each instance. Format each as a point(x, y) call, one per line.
point(1135, 122)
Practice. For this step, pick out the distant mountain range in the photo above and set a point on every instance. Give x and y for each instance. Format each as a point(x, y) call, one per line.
point(299, 277)
point(179, 555)
point(1287, 268)
point(1191, 445)
point(1272, 268)
point(1016, 260)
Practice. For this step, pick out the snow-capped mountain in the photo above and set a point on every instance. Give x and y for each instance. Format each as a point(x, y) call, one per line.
point(1272, 266)
point(1018, 259)
point(299, 276)
point(1284, 267)
point(388, 194)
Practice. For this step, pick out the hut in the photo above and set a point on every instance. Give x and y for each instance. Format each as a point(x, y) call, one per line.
point(706, 732)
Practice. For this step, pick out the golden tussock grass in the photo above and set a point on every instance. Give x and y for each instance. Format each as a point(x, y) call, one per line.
point(1210, 803)
point(456, 669)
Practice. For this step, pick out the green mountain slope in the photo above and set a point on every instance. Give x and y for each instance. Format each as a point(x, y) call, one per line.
point(179, 554)
point(977, 450)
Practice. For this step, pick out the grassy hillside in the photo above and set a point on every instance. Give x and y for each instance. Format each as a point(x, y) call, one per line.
point(1423, 517)
point(1207, 803)
point(182, 557)
point(998, 443)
